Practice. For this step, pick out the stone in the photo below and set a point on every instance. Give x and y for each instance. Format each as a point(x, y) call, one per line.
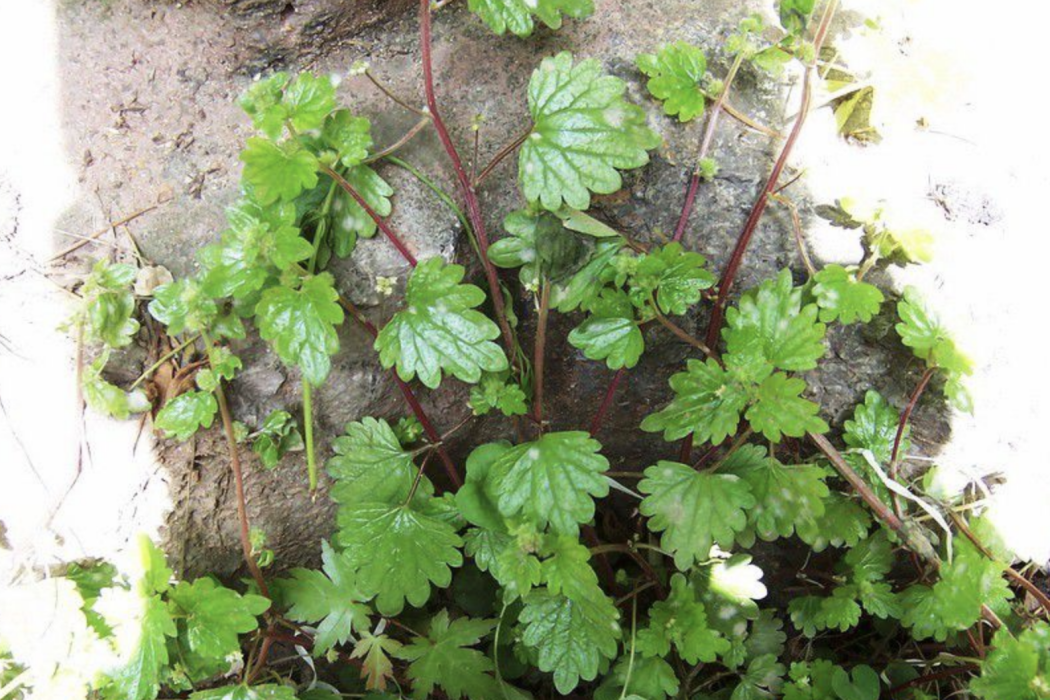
point(184, 66)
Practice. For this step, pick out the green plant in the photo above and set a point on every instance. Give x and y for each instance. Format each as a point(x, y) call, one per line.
point(679, 615)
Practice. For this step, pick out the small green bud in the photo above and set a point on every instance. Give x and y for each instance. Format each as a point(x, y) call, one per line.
point(708, 168)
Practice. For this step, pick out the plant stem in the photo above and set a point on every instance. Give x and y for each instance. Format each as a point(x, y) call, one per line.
point(164, 358)
point(389, 93)
point(930, 678)
point(906, 416)
point(737, 257)
point(499, 157)
point(610, 393)
point(1012, 573)
point(800, 239)
point(238, 482)
point(465, 185)
point(308, 429)
point(705, 146)
point(410, 398)
point(881, 510)
point(680, 333)
point(899, 438)
point(380, 222)
point(440, 194)
point(539, 353)
point(400, 143)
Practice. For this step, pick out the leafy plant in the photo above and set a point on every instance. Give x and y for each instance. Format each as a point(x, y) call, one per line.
point(513, 578)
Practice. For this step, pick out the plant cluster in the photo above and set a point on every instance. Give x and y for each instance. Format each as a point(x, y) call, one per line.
point(491, 581)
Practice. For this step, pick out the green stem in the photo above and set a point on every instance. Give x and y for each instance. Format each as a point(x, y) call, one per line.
point(440, 194)
point(308, 428)
point(164, 358)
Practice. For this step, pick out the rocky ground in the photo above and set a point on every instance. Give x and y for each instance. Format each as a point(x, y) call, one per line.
point(137, 102)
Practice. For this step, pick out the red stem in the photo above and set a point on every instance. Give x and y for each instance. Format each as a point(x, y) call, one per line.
point(705, 146)
point(539, 355)
point(906, 416)
point(881, 510)
point(238, 482)
point(380, 222)
point(466, 187)
point(733, 266)
point(599, 417)
point(899, 438)
point(410, 398)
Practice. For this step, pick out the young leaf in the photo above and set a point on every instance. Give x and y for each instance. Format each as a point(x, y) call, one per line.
point(109, 399)
point(349, 136)
point(185, 414)
point(570, 638)
point(308, 100)
point(259, 239)
point(540, 245)
point(673, 275)
point(374, 652)
point(332, 598)
point(954, 602)
point(811, 681)
point(515, 569)
point(370, 465)
point(278, 436)
point(444, 658)
point(440, 330)
point(784, 496)
point(582, 287)
point(649, 677)
point(693, 510)
point(921, 330)
point(864, 685)
point(583, 133)
point(300, 323)
point(552, 480)
point(349, 219)
point(182, 306)
point(141, 641)
point(812, 614)
point(779, 408)
point(771, 321)
point(708, 402)
point(266, 691)
point(1018, 668)
point(262, 102)
point(567, 572)
point(517, 15)
point(610, 333)
point(844, 523)
point(109, 304)
point(675, 73)
point(795, 14)
point(681, 620)
point(214, 616)
point(494, 392)
point(763, 679)
point(425, 548)
point(278, 172)
point(841, 297)
point(874, 428)
point(477, 499)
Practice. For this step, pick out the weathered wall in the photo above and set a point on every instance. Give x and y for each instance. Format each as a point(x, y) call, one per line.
point(151, 113)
